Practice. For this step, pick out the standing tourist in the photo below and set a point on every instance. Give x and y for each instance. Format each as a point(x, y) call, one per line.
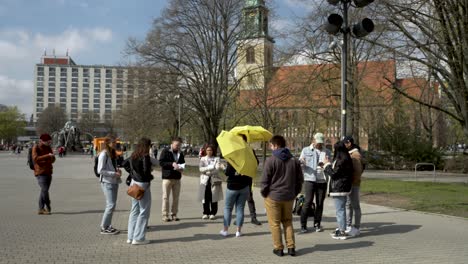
point(172, 165)
point(43, 158)
point(110, 180)
point(211, 190)
point(353, 206)
point(340, 173)
point(281, 181)
point(315, 182)
point(139, 166)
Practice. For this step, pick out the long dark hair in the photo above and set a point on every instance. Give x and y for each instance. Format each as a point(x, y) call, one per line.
point(142, 148)
point(110, 150)
point(341, 154)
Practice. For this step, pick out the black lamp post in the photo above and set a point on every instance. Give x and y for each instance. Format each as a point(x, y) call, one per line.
point(337, 23)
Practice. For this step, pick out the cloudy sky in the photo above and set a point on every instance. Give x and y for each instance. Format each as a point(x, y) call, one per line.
point(94, 32)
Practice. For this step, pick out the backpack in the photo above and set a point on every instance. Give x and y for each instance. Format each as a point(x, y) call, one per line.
point(299, 203)
point(30, 159)
point(96, 161)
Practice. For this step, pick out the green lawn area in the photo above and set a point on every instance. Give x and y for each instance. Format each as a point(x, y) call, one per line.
point(443, 198)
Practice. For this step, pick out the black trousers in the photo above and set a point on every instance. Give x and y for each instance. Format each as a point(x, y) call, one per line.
point(317, 190)
point(209, 208)
point(251, 203)
point(44, 182)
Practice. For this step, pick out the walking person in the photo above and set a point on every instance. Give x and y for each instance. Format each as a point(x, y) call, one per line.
point(139, 166)
point(211, 190)
point(281, 182)
point(315, 182)
point(340, 173)
point(353, 206)
point(172, 163)
point(43, 157)
point(110, 180)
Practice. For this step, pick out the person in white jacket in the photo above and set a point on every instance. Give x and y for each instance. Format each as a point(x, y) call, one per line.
point(210, 191)
point(110, 180)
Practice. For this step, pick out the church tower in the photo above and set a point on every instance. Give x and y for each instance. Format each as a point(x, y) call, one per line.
point(255, 47)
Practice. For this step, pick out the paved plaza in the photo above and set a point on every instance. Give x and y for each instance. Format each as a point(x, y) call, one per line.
point(71, 233)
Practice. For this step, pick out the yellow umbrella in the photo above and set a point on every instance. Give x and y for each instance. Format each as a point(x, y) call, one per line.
point(253, 133)
point(238, 153)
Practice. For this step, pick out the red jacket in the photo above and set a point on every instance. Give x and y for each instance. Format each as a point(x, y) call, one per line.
point(42, 160)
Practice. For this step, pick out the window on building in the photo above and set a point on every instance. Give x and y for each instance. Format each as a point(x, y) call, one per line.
point(74, 79)
point(40, 78)
point(40, 89)
point(250, 55)
point(108, 95)
point(97, 100)
point(85, 100)
point(63, 100)
point(63, 84)
point(108, 101)
point(97, 91)
point(51, 84)
point(40, 95)
point(74, 100)
point(74, 85)
point(96, 107)
point(51, 99)
point(63, 95)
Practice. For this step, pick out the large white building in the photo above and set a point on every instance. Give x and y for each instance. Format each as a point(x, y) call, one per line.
point(80, 89)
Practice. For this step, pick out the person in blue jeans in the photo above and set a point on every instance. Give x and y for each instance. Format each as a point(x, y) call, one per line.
point(139, 166)
point(237, 193)
point(340, 172)
point(110, 180)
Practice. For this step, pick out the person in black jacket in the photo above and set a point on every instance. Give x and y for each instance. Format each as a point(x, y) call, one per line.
point(139, 167)
point(172, 164)
point(341, 176)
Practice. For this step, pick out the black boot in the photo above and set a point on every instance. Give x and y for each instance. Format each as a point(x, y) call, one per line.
point(292, 252)
point(255, 221)
point(278, 252)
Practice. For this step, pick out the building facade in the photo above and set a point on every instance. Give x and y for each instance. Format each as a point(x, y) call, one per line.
point(82, 89)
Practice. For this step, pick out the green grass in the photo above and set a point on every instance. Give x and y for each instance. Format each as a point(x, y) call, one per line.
point(444, 198)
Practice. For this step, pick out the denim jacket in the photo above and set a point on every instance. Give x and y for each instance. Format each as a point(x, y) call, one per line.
point(310, 158)
point(106, 169)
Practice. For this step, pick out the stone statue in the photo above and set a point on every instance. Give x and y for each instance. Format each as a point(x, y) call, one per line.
point(68, 137)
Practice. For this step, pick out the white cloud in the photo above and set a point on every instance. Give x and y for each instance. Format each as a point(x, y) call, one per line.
point(17, 93)
point(21, 49)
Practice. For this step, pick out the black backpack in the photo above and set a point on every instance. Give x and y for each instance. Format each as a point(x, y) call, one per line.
point(30, 159)
point(96, 160)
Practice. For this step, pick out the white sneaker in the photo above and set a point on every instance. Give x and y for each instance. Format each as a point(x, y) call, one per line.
point(238, 234)
point(353, 232)
point(140, 242)
point(348, 229)
point(223, 233)
point(129, 241)
point(212, 217)
point(204, 217)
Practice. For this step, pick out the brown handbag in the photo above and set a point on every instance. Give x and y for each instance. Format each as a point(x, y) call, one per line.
point(135, 190)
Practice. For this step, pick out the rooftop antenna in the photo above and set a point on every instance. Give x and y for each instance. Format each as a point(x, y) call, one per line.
point(45, 52)
point(53, 52)
point(67, 52)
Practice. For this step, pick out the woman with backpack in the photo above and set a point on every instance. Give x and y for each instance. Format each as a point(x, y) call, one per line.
point(110, 180)
point(139, 166)
point(340, 173)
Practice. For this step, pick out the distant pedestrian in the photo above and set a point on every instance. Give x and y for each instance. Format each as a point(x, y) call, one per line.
point(139, 166)
point(353, 206)
point(110, 180)
point(43, 157)
point(340, 172)
point(172, 163)
point(281, 182)
point(211, 190)
point(315, 183)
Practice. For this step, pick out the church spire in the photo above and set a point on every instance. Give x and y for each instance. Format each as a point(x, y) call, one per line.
point(255, 20)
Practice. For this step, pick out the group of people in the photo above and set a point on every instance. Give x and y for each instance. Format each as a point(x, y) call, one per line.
point(284, 177)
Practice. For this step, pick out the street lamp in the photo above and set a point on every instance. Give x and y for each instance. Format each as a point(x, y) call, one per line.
point(178, 118)
point(335, 25)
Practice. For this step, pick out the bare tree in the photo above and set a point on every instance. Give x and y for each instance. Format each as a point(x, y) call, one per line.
point(52, 119)
point(195, 40)
point(433, 33)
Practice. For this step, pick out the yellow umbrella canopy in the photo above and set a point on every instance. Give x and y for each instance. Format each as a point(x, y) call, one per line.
point(238, 153)
point(253, 133)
